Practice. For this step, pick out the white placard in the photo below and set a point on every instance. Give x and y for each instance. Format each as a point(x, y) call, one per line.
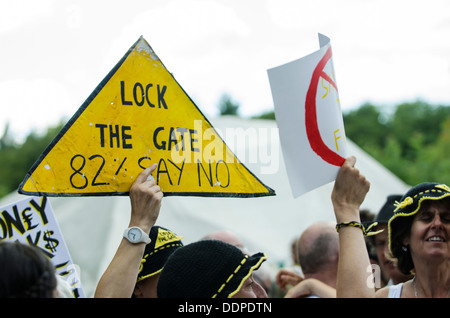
point(309, 118)
point(32, 221)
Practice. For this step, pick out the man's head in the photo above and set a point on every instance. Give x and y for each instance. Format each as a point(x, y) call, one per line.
point(318, 248)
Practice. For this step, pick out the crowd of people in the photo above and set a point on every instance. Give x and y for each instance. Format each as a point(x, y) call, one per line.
point(405, 244)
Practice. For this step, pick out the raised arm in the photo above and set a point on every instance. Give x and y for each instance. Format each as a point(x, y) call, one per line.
point(348, 194)
point(119, 278)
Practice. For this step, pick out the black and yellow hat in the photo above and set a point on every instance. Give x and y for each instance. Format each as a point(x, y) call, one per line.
point(387, 210)
point(163, 243)
point(411, 202)
point(206, 269)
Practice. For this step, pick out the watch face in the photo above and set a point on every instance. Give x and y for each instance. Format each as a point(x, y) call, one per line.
point(134, 235)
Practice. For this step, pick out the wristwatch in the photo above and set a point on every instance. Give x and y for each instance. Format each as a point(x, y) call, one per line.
point(135, 235)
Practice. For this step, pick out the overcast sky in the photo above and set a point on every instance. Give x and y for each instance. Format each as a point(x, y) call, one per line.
point(54, 53)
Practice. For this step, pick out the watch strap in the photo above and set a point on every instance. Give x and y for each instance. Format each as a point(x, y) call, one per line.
point(144, 236)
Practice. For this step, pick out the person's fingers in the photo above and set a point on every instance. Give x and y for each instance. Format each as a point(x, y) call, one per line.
point(350, 161)
point(156, 189)
point(143, 176)
point(292, 280)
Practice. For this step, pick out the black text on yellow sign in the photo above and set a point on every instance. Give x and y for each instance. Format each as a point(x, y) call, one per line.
point(139, 115)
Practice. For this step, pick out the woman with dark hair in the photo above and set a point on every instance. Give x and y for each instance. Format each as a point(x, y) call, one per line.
point(419, 241)
point(25, 272)
point(419, 238)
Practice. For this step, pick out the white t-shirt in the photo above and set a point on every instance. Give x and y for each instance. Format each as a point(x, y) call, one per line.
point(395, 291)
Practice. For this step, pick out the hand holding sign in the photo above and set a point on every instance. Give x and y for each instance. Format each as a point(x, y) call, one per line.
point(145, 197)
point(309, 117)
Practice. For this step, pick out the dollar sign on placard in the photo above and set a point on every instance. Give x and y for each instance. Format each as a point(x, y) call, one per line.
point(52, 243)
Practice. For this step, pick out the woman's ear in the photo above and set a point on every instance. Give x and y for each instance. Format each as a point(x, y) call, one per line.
point(405, 241)
point(137, 292)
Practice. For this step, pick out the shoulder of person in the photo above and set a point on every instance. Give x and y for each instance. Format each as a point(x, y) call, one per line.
point(383, 292)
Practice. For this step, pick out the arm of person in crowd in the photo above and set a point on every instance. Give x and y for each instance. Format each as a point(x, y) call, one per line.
point(286, 277)
point(119, 278)
point(309, 287)
point(349, 192)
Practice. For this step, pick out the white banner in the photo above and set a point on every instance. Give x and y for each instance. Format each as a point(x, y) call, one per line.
point(32, 221)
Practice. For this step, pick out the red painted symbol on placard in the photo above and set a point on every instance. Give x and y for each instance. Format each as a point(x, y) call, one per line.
point(312, 128)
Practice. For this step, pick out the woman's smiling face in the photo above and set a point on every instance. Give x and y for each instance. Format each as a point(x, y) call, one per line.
point(430, 231)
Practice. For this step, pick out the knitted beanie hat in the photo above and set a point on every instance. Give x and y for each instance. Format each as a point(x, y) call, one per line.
point(411, 202)
point(206, 269)
point(163, 243)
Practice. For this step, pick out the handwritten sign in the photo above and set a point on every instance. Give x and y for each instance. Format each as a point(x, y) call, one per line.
point(139, 115)
point(309, 117)
point(31, 221)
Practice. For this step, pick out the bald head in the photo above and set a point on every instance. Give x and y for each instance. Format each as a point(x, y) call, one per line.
point(225, 236)
point(318, 248)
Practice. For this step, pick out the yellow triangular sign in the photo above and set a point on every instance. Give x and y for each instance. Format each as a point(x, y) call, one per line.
point(139, 115)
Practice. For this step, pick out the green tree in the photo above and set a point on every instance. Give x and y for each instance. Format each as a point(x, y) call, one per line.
point(434, 165)
point(365, 128)
point(16, 160)
point(227, 106)
point(265, 115)
point(6, 140)
point(417, 122)
point(412, 142)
